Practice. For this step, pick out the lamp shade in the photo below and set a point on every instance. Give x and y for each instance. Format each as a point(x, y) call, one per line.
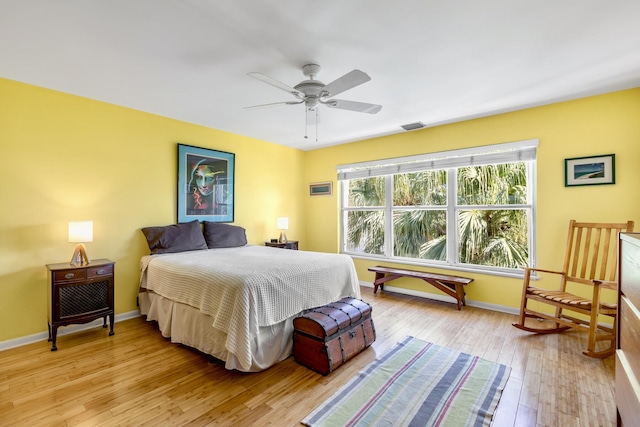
point(283, 223)
point(81, 231)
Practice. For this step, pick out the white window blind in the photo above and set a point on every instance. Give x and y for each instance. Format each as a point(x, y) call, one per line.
point(491, 154)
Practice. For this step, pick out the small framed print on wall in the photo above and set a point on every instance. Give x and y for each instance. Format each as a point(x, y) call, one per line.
point(592, 170)
point(321, 189)
point(205, 184)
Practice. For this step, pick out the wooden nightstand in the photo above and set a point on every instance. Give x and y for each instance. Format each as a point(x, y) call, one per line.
point(80, 294)
point(291, 244)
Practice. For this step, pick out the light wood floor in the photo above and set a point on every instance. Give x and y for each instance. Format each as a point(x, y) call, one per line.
point(137, 378)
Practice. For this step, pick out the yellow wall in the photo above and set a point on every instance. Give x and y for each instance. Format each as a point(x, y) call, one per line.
point(65, 158)
point(590, 126)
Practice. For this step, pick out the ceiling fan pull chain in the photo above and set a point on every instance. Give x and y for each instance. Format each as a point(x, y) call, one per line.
point(317, 124)
point(306, 124)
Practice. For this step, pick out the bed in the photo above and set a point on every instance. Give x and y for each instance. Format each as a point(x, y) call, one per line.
point(238, 303)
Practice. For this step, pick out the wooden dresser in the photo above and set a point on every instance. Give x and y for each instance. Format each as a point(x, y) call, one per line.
point(628, 353)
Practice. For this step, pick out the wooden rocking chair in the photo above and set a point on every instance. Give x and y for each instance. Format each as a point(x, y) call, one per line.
point(590, 259)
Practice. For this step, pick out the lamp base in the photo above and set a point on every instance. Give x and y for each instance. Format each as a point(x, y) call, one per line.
point(283, 237)
point(80, 257)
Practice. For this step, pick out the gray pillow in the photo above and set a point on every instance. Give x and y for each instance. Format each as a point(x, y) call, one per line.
point(218, 235)
point(182, 237)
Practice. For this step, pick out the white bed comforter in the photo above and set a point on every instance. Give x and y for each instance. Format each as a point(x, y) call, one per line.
point(248, 287)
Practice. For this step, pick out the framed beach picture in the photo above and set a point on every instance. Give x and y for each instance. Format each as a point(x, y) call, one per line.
point(321, 189)
point(593, 170)
point(205, 184)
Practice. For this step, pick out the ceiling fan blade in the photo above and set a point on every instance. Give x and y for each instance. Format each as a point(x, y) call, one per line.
point(276, 83)
point(346, 82)
point(360, 107)
point(274, 103)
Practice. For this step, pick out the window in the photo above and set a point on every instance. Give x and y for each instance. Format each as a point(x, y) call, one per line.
point(468, 209)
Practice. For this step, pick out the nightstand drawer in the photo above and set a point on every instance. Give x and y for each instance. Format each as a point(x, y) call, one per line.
point(66, 275)
point(104, 270)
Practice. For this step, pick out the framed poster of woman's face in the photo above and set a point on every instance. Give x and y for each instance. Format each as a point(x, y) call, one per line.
point(205, 184)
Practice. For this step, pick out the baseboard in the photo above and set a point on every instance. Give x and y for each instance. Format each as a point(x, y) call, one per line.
point(66, 330)
point(445, 298)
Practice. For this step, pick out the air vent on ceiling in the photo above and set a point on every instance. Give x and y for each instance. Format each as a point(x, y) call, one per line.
point(412, 126)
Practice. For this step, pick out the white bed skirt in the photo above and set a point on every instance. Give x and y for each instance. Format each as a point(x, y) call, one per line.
point(187, 325)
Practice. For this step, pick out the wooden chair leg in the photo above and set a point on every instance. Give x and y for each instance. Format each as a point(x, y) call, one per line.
point(558, 315)
point(614, 341)
point(593, 330)
point(523, 301)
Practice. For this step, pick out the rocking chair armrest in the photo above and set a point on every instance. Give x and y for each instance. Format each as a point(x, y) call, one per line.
point(606, 284)
point(528, 270)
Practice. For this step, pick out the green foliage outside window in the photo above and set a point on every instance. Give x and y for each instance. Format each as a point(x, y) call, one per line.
point(490, 232)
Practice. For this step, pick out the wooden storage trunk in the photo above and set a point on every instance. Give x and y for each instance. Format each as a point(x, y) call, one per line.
point(326, 337)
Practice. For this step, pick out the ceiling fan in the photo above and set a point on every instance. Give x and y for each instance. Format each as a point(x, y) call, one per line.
point(313, 92)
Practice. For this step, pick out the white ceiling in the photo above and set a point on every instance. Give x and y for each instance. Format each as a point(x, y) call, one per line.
point(433, 61)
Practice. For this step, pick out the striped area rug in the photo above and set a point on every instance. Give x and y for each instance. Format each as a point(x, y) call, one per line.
point(417, 384)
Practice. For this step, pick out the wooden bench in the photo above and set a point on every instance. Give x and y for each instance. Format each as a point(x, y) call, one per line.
point(450, 285)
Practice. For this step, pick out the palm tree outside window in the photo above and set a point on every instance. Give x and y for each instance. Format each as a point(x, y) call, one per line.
point(469, 209)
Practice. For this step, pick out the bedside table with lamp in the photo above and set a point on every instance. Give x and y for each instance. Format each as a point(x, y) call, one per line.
point(283, 242)
point(80, 291)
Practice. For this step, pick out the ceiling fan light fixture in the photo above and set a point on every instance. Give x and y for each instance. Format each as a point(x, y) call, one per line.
point(311, 103)
point(413, 126)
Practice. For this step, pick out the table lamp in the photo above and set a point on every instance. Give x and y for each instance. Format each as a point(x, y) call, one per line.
point(283, 224)
point(80, 232)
